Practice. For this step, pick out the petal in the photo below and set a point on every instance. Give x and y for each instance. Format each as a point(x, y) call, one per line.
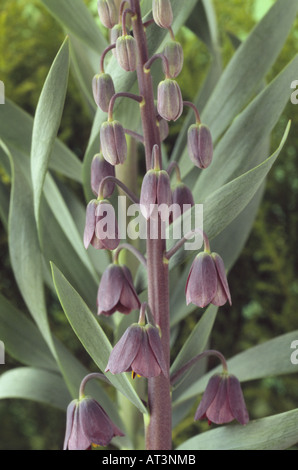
point(148, 194)
point(69, 422)
point(90, 223)
point(125, 351)
point(220, 268)
point(129, 298)
point(236, 400)
point(208, 396)
point(202, 284)
point(164, 193)
point(219, 412)
point(110, 288)
point(145, 363)
point(77, 440)
point(95, 423)
point(156, 347)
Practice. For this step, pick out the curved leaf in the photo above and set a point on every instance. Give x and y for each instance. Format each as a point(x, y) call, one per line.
point(277, 432)
point(47, 120)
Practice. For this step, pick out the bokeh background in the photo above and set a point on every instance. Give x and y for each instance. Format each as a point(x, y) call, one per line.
point(263, 281)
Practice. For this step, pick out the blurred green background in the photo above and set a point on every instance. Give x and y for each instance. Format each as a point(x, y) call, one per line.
point(264, 280)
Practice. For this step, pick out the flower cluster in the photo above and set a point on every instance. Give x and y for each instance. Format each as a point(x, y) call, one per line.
point(141, 350)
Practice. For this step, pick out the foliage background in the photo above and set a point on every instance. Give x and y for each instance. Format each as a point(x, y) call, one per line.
point(263, 282)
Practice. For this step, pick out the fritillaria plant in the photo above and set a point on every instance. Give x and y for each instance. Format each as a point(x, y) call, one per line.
point(144, 349)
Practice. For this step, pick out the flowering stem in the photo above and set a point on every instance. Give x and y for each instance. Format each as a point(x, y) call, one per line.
point(133, 250)
point(123, 94)
point(95, 375)
point(129, 193)
point(191, 105)
point(148, 65)
point(135, 135)
point(169, 254)
point(126, 12)
point(197, 358)
point(159, 429)
point(174, 166)
point(103, 55)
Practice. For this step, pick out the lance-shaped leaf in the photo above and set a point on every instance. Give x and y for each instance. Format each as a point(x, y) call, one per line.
point(47, 121)
point(16, 130)
point(277, 432)
point(91, 334)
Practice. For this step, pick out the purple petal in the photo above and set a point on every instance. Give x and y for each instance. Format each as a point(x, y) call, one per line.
point(219, 412)
point(125, 351)
point(110, 288)
point(156, 347)
point(208, 397)
point(202, 282)
point(148, 194)
point(106, 228)
point(129, 297)
point(78, 440)
point(95, 423)
point(220, 268)
point(69, 422)
point(236, 400)
point(90, 223)
point(145, 363)
point(164, 193)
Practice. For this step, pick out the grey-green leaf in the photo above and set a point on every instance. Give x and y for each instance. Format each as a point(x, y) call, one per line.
point(47, 121)
point(277, 432)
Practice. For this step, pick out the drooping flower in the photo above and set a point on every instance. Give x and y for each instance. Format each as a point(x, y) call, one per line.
point(162, 13)
point(200, 146)
point(207, 282)
point(169, 100)
point(116, 292)
point(100, 169)
point(138, 351)
point(155, 190)
point(101, 228)
point(113, 142)
point(88, 424)
point(103, 90)
point(223, 401)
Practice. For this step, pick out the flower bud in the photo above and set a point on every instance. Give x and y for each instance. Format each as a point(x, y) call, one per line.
point(103, 90)
point(126, 53)
point(200, 146)
point(162, 13)
point(101, 228)
point(107, 13)
point(115, 33)
point(113, 142)
point(182, 196)
point(100, 169)
point(174, 53)
point(156, 190)
point(163, 129)
point(169, 100)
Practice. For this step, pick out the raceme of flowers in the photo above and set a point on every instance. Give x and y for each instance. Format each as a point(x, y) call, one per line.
point(139, 351)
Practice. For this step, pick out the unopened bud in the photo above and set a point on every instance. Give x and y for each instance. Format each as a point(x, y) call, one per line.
point(162, 13)
point(169, 100)
point(107, 13)
point(200, 146)
point(174, 53)
point(115, 33)
point(113, 142)
point(100, 169)
point(103, 90)
point(126, 53)
point(156, 190)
